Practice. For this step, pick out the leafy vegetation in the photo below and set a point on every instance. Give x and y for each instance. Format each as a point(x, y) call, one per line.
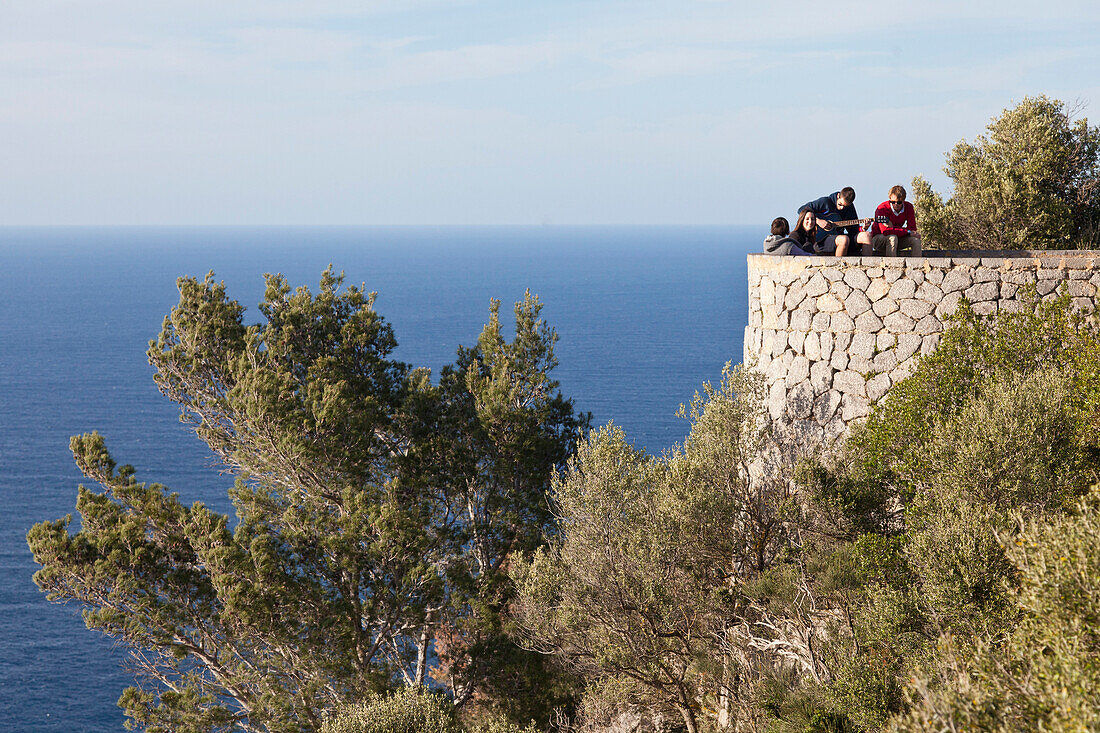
point(1032, 183)
point(376, 513)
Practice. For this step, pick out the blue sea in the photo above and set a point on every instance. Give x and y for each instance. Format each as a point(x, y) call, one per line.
point(645, 316)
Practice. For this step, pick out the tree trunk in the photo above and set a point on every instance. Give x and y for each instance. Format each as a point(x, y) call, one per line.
point(422, 657)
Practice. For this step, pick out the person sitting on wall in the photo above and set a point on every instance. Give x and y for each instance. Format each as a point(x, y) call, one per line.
point(895, 227)
point(838, 223)
point(779, 243)
point(805, 231)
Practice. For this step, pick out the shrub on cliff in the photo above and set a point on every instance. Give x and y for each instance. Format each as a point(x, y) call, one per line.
point(999, 422)
point(648, 588)
point(1032, 183)
point(1044, 674)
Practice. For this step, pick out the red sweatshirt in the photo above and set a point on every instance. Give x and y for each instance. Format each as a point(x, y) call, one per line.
point(887, 222)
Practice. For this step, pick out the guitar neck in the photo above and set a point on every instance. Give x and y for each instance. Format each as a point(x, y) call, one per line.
point(848, 222)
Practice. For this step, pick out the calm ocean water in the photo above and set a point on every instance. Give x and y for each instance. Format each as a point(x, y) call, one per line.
point(645, 315)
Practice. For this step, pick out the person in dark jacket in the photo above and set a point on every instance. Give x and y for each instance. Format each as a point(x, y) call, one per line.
point(828, 210)
point(805, 231)
point(778, 243)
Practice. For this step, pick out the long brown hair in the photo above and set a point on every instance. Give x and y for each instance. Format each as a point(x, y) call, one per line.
point(806, 237)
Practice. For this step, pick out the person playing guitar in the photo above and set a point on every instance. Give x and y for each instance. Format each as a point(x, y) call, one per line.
point(838, 224)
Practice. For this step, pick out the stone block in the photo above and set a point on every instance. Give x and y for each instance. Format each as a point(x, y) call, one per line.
point(877, 289)
point(986, 275)
point(873, 272)
point(850, 383)
point(868, 322)
point(1020, 277)
point(795, 295)
point(994, 263)
point(800, 401)
point(821, 377)
point(777, 370)
point(863, 344)
point(786, 277)
point(901, 289)
point(1082, 304)
point(779, 345)
point(982, 291)
point(841, 322)
point(860, 364)
point(1080, 289)
point(884, 307)
point(820, 322)
point(840, 289)
point(985, 308)
point(839, 362)
point(834, 429)
point(856, 303)
point(1045, 287)
point(796, 339)
point(799, 371)
point(916, 309)
point(1010, 306)
point(832, 273)
point(891, 274)
point(826, 340)
point(934, 276)
point(767, 291)
point(885, 341)
point(829, 303)
point(811, 346)
point(898, 323)
point(967, 262)
point(928, 324)
point(907, 346)
point(885, 361)
point(857, 279)
point(1008, 290)
point(917, 276)
point(842, 340)
point(826, 406)
point(1047, 273)
point(877, 386)
point(853, 407)
point(956, 280)
point(929, 293)
point(777, 400)
point(816, 286)
point(929, 344)
point(780, 295)
point(800, 320)
point(948, 305)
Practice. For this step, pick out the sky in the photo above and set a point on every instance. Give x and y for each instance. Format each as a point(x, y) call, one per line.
point(529, 112)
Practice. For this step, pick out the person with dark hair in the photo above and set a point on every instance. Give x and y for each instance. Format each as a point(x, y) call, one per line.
point(895, 227)
point(805, 230)
point(778, 243)
point(838, 224)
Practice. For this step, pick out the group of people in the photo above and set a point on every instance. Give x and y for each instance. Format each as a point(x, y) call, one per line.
point(829, 226)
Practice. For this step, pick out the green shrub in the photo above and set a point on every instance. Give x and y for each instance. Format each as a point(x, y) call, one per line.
point(411, 710)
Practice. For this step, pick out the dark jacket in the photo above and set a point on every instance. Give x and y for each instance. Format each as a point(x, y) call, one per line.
point(826, 208)
point(775, 244)
point(802, 239)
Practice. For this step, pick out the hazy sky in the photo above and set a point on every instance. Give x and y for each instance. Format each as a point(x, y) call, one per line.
point(510, 112)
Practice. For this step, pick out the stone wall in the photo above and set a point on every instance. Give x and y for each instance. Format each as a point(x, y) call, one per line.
point(831, 335)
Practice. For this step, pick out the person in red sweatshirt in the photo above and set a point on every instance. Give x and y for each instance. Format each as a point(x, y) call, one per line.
point(895, 227)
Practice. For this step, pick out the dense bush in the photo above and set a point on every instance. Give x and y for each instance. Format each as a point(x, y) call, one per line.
point(1032, 183)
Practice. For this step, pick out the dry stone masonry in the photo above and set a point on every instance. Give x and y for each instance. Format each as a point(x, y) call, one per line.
point(831, 335)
